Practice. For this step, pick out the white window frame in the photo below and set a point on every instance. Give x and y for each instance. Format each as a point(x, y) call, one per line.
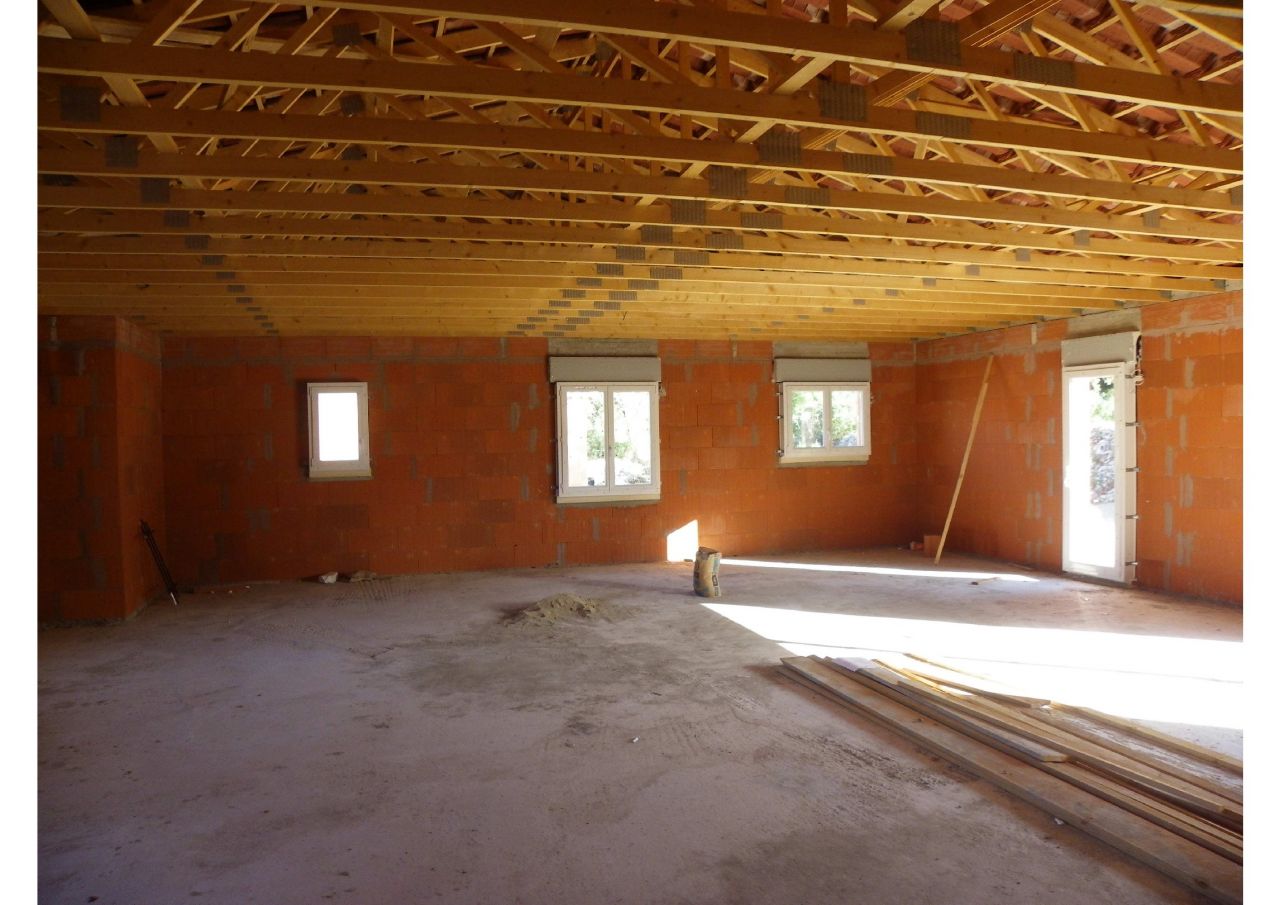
point(608, 491)
point(332, 471)
point(788, 454)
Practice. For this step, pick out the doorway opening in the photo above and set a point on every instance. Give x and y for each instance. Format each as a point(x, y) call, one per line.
point(1097, 473)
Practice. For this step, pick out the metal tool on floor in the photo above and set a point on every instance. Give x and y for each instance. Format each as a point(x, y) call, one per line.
point(164, 570)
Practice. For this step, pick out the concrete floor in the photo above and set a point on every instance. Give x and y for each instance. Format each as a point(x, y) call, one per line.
point(394, 742)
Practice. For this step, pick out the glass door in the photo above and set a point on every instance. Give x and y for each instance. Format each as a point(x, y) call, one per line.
point(1096, 478)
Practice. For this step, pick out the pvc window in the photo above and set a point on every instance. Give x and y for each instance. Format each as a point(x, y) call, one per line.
point(825, 422)
point(608, 441)
point(338, 422)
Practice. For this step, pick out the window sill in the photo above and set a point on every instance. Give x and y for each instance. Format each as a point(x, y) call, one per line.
point(613, 500)
point(823, 462)
point(341, 476)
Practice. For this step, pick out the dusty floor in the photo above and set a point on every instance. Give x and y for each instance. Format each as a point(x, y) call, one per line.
point(395, 742)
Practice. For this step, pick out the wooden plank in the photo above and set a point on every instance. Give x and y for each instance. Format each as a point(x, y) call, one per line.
point(1203, 833)
point(1047, 712)
point(1054, 718)
point(1182, 860)
point(1172, 743)
point(1191, 749)
point(1121, 766)
point(1217, 839)
point(1012, 700)
point(984, 731)
point(964, 462)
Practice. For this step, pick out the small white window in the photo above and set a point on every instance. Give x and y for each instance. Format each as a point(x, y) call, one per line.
point(826, 422)
point(608, 441)
point(339, 429)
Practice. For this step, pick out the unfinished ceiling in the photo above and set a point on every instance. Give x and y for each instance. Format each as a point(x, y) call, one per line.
point(707, 168)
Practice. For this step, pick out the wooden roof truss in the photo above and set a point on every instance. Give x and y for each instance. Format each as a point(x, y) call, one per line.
point(853, 169)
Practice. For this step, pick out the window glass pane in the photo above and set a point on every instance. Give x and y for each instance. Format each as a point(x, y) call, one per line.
point(846, 418)
point(806, 419)
point(339, 428)
point(584, 437)
point(632, 450)
point(1091, 470)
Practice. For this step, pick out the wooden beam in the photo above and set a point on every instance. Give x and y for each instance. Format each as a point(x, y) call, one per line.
point(801, 256)
point(738, 268)
point(978, 29)
point(164, 20)
point(1231, 8)
point(1003, 308)
point(1227, 30)
point(72, 17)
point(856, 43)
point(565, 211)
point(905, 14)
point(383, 131)
point(152, 222)
point(964, 462)
point(209, 66)
point(1084, 44)
point(898, 294)
point(375, 173)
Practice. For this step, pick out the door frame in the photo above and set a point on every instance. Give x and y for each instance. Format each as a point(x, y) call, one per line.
point(1124, 475)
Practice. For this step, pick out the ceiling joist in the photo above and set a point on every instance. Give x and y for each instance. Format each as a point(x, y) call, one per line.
point(860, 169)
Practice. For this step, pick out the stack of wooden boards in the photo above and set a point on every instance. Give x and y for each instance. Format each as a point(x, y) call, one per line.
point(1169, 803)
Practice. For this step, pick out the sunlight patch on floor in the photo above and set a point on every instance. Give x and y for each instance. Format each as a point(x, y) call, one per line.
point(1151, 677)
point(877, 570)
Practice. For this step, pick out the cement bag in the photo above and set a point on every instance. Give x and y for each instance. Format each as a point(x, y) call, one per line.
point(706, 573)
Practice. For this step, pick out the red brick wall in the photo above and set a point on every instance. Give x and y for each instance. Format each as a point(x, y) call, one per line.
point(140, 459)
point(1191, 447)
point(463, 459)
point(1010, 507)
point(213, 448)
point(1190, 535)
point(99, 467)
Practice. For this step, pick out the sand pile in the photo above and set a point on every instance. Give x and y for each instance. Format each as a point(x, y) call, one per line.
point(557, 608)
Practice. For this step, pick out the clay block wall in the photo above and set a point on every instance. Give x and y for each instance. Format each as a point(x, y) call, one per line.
point(1010, 507)
point(212, 446)
point(140, 451)
point(99, 467)
point(1191, 447)
point(1190, 533)
point(462, 441)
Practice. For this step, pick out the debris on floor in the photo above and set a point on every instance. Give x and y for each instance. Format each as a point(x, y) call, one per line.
point(362, 575)
point(329, 578)
point(1169, 803)
point(559, 607)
